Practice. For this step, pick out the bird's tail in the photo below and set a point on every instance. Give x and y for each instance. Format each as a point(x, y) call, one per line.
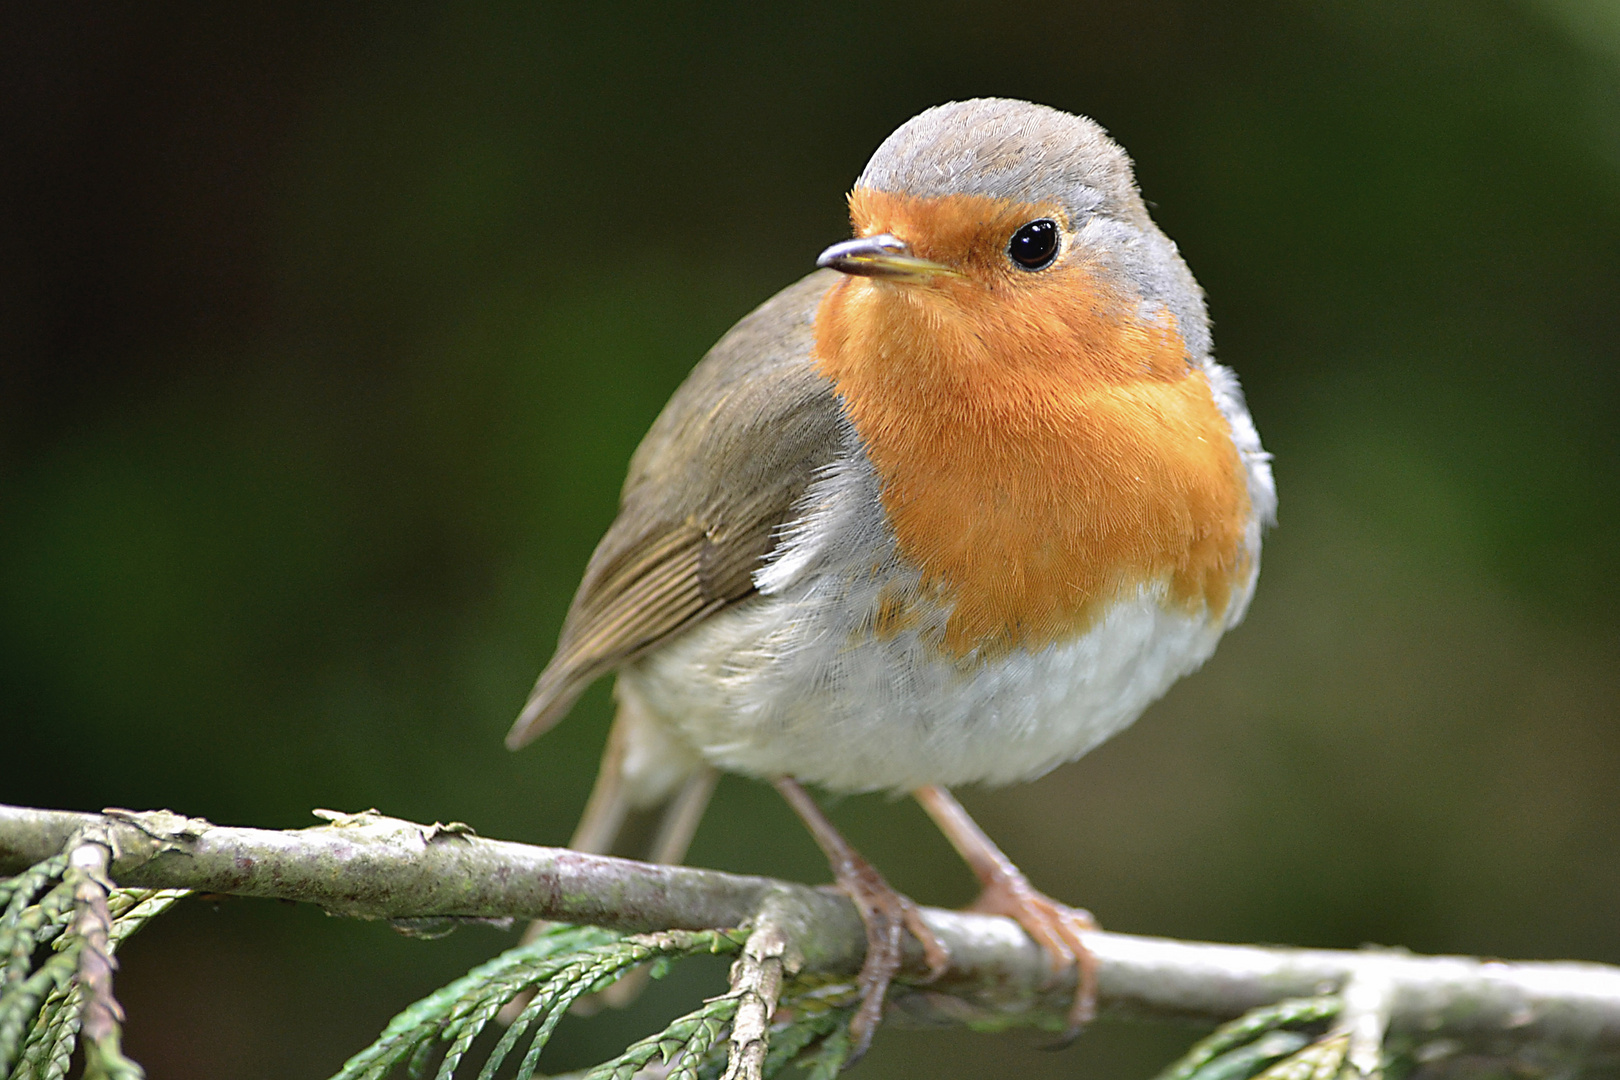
point(646, 770)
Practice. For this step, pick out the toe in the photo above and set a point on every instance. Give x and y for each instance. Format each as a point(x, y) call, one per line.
point(936, 954)
point(1060, 932)
point(885, 918)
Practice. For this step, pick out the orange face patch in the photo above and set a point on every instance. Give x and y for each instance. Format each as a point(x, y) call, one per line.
point(1043, 448)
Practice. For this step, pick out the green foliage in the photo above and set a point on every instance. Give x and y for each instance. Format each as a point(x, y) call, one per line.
point(1258, 1044)
point(568, 962)
point(41, 1000)
point(559, 967)
point(828, 1027)
point(687, 1046)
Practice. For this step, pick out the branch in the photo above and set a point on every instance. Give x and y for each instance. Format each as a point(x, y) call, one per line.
point(371, 866)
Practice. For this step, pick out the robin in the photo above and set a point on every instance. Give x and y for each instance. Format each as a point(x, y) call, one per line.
point(952, 509)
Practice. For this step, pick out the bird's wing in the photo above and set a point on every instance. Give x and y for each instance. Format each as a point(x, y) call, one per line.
point(709, 489)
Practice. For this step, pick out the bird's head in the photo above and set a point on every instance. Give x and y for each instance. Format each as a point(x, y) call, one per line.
point(997, 238)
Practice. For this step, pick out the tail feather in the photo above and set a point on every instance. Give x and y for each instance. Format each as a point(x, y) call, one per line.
point(682, 816)
point(605, 811)
point(643, 769)
point(553, 695)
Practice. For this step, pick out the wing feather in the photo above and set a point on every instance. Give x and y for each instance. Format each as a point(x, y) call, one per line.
point(709, 489)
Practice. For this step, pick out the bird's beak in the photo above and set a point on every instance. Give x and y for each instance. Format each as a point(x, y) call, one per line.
point(882, 256)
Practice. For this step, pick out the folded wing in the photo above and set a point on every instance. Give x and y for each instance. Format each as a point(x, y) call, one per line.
point(708, 492)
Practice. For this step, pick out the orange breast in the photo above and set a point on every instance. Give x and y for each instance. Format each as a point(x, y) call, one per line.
point(1043, 449)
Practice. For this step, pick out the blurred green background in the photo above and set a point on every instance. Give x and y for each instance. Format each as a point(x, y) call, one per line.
point(327, 331)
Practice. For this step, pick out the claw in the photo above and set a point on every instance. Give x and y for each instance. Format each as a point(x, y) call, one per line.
point(1058, 929)
point(886, 914)
point(936, 954)
point(883, 911)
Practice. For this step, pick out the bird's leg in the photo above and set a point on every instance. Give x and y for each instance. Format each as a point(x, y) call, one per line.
point(1057, 928)
point(886, 913)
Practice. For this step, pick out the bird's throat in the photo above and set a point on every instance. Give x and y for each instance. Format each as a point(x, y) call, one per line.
point(1042, 454)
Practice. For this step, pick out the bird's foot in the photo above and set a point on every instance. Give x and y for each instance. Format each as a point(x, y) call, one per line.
point(1056, 928)
point(886, 914)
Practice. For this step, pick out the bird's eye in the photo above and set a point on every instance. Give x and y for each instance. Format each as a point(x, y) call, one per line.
point(1035, 244)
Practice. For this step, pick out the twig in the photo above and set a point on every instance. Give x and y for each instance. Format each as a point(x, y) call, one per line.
point(371, 866)
point(1368, 998)
point(92, 922)
point(756, 983)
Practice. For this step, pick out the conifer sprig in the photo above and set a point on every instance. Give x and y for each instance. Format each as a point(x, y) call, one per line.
point(66, 903)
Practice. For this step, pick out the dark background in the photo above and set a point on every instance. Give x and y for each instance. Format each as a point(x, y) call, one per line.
point(327, 331)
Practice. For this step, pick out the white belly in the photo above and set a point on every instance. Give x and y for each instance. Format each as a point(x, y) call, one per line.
point(752, 692)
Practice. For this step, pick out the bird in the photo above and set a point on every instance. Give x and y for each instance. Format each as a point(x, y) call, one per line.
point(952, 509)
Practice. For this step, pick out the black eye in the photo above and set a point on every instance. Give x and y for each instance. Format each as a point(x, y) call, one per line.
point(1034, 245)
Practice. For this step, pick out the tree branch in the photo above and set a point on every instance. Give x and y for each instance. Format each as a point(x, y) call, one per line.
point(371, 866)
